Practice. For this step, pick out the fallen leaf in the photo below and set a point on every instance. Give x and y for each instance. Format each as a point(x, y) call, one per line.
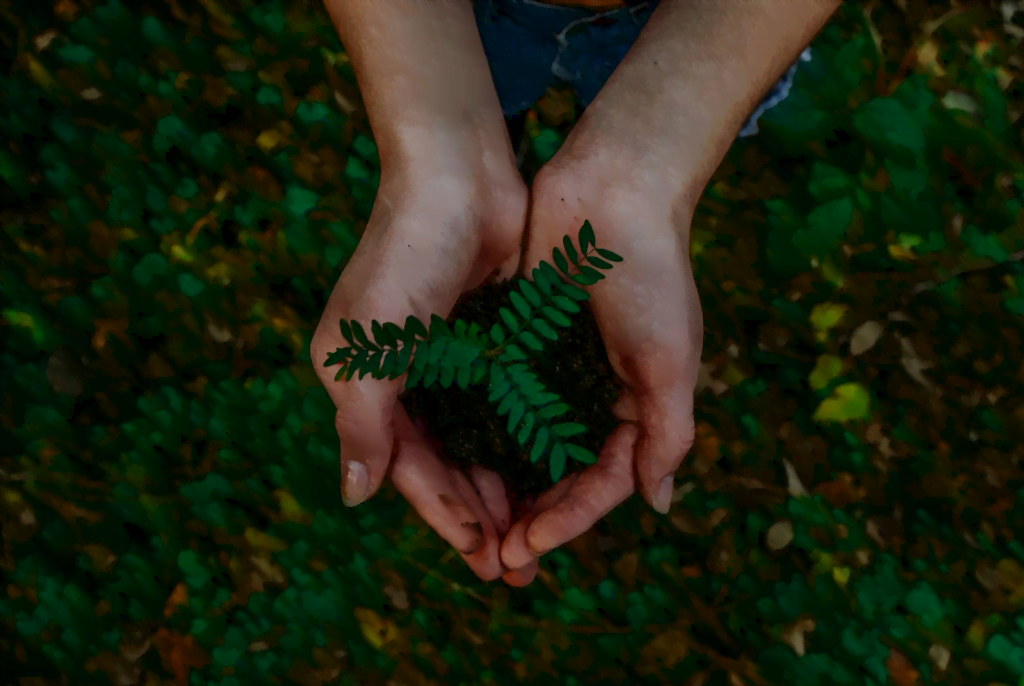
point(179, 654)
point(779, 535)
point(848, 401)
point(940, 656)
point(865, 336)
point(178, 598)
point(794, 636)
point(796, 487)
point(376, 630)
point(900, 669)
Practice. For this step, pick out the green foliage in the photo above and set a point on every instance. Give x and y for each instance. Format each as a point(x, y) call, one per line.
point(169, 504)
point(461, 353)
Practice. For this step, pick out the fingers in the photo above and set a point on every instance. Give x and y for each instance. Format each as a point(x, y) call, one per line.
point(485, 562)
point(515, 554)
point(668, 435)
point(366, 438)
point(444, 503)
point(492, 492)
point(598, 490)
point(518, 578)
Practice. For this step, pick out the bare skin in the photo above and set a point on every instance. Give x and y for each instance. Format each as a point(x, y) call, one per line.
point(452, 211)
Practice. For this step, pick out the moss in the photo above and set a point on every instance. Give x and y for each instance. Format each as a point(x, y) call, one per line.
point(467, 426)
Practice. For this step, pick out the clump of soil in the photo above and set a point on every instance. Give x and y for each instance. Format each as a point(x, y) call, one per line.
point(468, 426)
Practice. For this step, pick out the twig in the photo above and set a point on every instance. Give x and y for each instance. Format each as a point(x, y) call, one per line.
point(931, 284)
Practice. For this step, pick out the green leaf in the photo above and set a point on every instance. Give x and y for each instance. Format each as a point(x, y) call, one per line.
point(570, 250)
point(389, 364)
point(513, 352)
point(465, 372)
point(510, 319)
point(346, 331)
point(403, 360)
point(531, 341)
point(586, 236)
point(585, 279)
point(437, 348)
point(557, 463)
point(555, 317)
point(497, 334)
point(827, 368)
point(544, 329)
point(540, 441)
point(355, 364)
point(574, 292)
point(554, 410)
point(580, 454)
point(507, 402)
point(190, 285)
point(460, 328)
point(826, 224)
point(888, 121)
point(540, 279)
point(560, 262)
point(515, 415)
point(591, 272)
point(522, 307)
point(380, 336)
point(372, 364)
point(568, 429)
point(543, 398)
point(439, 327)
point(527, 427)
point(357, 330)
point(414, 327)
point(550, 274)
point(447, 373)
point(609, 255)
point(531, 294)
point(431, 374)
point(478, 372)
point(828, 182)
point(499, 391)
point(149, 267)
point(598, 262)
point(848, 401)
point(393, 332)
point(565, 304)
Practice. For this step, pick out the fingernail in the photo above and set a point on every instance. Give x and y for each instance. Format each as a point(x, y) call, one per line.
point(663, 498)
point(478, 537)
point(355, 483)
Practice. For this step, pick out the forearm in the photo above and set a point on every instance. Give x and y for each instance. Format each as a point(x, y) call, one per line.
point(692, 77)
point(425, 81)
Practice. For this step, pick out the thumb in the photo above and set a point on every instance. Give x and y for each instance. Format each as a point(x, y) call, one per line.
point(667, 436)
point(366, 433)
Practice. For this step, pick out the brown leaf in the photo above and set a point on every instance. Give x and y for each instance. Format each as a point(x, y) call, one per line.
point(779, 535)
point(178, 598)
point(900, 669)
point(865, 336)
point(179, 654)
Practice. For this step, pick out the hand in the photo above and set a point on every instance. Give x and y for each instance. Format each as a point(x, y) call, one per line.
point(648, 311)
point(430, 237)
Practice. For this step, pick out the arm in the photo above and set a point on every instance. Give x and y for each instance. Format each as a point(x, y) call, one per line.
point(692, 77)
point(635, 166)
point(425, 80)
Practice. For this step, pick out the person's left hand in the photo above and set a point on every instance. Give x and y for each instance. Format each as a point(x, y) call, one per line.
point(648, 311)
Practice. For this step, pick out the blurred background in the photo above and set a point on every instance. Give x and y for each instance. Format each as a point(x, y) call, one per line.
point(183, 182)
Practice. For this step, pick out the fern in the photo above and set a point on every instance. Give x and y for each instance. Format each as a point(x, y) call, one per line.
point(464, 355)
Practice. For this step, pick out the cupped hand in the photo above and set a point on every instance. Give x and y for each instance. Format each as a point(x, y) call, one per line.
point(649, 315)
point(429, 238)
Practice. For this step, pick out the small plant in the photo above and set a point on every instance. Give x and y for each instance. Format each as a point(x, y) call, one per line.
point(464, 355)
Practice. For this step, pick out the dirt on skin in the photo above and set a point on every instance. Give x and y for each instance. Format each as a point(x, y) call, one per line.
point(467, 426)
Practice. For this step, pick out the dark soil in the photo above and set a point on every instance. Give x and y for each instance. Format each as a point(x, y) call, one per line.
point(468, 427)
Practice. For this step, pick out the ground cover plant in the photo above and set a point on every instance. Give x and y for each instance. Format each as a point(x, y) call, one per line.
point(182, 184)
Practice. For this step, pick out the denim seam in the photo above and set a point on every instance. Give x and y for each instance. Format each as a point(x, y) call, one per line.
point(556, 69)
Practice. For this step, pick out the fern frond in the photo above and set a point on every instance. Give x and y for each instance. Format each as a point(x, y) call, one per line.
point(520, 394)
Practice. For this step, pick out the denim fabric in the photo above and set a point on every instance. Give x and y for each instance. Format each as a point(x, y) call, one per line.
point(531, 45)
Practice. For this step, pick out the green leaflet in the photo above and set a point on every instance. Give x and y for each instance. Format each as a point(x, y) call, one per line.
point(544, 329)
point(527, 427)
point(519, 302)
point(557, 461)
point(531, 341)
point(586, 236)
point(497, 334)
point(530, 292)
point(516, 415)
point(510, 319)
point(539, 443)
point(570, 250)
point(580, 454)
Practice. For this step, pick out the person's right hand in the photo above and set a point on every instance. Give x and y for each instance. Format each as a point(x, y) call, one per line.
point(431, 237)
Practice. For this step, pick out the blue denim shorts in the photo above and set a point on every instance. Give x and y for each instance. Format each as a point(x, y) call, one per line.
point(531, 45)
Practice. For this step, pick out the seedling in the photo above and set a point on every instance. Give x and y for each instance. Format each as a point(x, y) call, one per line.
point(462, 354)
